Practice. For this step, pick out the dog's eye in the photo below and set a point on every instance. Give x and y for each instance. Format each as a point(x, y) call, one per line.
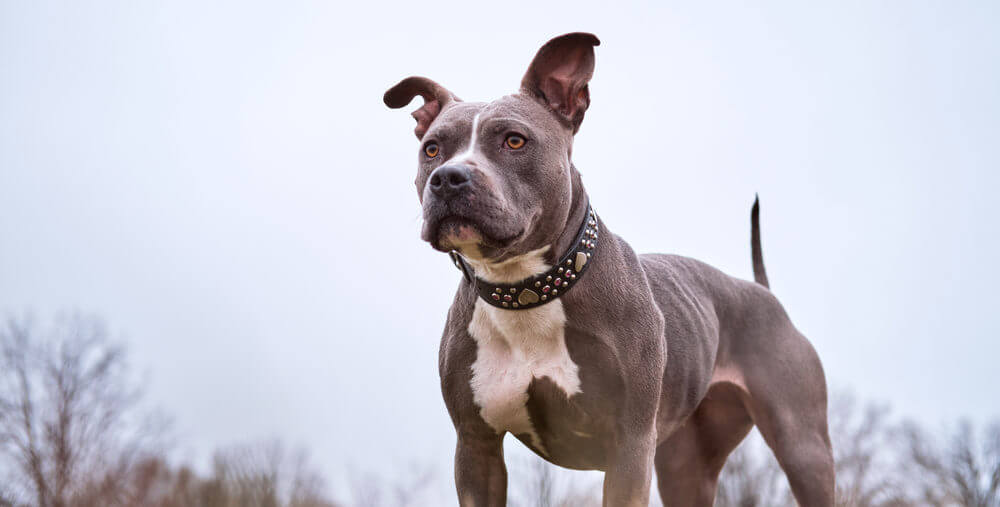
point(515, 141)
point(431, 150)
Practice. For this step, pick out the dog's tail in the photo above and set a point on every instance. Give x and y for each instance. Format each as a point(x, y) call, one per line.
point(759, 275)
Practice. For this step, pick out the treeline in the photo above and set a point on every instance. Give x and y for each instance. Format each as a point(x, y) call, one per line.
point(74, 433)
point(880, 462)
point(257, 476)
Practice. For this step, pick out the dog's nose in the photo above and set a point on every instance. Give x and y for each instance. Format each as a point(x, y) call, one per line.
point(450, 179)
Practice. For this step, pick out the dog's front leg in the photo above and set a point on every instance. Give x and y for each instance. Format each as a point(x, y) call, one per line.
point(480, 473)
point(629, 475)
point(643, 356)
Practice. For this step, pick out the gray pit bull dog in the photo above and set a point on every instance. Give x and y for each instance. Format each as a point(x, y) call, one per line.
point(594, 357)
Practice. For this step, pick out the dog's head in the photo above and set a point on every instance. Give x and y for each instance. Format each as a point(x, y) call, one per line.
point(495, 178)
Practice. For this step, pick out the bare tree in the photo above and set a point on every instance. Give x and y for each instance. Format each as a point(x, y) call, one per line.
point(7, 498)
point(864, 453)
point(961, 470)
point(577, 494)
point(536, 482)
point(366, 489)
point(69, 422)
point(407, 487)
point(411, 484)
point(266, 475)
point(249, 475)
point(752, 477)
point(867, 475)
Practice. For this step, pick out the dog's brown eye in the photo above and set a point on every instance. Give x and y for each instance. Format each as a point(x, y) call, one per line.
point(431, 150)
point(515, 141)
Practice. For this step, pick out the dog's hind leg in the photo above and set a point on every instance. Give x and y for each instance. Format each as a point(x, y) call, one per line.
point(787, 390)
point(689, 461)
point(787, 402)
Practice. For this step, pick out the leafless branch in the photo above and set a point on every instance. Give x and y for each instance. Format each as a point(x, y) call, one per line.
point(69, 422)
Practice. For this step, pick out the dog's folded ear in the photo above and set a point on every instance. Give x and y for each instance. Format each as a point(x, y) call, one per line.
point(559, 74)
point(435, 96)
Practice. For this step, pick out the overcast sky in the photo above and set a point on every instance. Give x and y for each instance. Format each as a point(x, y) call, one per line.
point(223, 184)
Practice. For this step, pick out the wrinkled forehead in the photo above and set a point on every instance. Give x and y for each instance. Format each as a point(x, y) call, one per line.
point(457, 118)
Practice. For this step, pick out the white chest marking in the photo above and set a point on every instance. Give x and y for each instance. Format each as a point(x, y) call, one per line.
point(514, 347)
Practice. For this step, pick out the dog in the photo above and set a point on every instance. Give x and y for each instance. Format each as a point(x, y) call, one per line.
point(594, 357)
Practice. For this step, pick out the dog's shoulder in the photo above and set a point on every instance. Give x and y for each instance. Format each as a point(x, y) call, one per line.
point(457, 347)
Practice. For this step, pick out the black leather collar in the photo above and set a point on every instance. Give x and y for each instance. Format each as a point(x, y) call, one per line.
point(543, 288)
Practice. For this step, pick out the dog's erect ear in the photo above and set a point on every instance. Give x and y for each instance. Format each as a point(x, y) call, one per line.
point(559, 74)
point(435, 96)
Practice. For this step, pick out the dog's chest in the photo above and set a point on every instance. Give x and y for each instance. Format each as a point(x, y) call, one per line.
point(513, 348)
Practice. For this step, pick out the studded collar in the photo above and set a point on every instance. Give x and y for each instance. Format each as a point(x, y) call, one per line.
point(545, 287)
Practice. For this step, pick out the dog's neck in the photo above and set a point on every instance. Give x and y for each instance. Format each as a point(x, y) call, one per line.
point(514, 269)
point(537, 261)
point(578, 208)
point(541, 275)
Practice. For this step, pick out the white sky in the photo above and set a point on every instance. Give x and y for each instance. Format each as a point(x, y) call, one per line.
point(223, 184)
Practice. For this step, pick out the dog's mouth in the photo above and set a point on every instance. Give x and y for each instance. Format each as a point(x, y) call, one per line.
point(470, 237)
point(456, 233)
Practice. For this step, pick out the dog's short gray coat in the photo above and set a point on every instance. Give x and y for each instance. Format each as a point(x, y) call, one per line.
point(652, 360)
